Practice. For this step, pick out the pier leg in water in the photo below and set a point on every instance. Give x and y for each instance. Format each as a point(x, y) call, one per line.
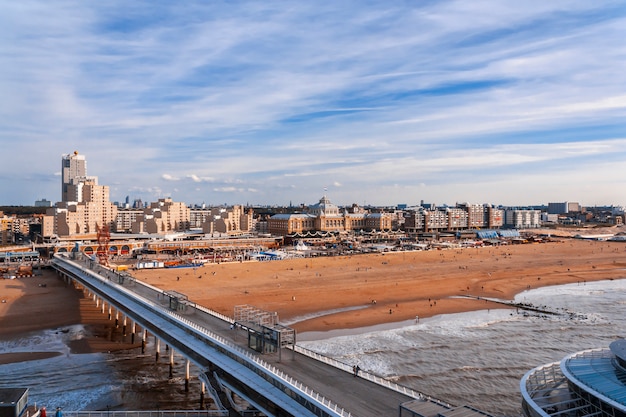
point(187, 376)
point(144, 336)
point(171, 363)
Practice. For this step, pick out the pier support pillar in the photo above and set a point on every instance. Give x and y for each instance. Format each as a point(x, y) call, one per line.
point(144, 336)
point(187, 375)
point(157, 345)
point(171, 363)
point(117, 318)
point(133, 330)
point(110, 311)
point(124, 325)
point(202, 388)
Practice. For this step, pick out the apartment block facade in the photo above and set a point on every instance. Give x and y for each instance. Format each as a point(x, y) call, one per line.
point(163, 216)
point(522, 218)
point(464, 216)
point(327, 217)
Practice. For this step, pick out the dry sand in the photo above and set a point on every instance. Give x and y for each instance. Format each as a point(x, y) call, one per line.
point(320, 294)
point(363, 290)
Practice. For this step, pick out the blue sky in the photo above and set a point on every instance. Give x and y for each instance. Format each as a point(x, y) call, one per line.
point(376, 102)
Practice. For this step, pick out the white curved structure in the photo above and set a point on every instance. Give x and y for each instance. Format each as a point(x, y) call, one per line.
point(587, 383)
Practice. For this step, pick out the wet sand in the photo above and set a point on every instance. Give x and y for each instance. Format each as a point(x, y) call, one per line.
point(322, 294)
point(45, 302)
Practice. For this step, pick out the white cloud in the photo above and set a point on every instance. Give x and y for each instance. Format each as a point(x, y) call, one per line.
point(270, 104)
point(196, 178)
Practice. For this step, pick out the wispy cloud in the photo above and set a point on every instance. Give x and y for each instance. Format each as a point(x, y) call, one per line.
point(268, 103)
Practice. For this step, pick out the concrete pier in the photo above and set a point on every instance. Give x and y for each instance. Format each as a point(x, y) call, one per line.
point(300, 384)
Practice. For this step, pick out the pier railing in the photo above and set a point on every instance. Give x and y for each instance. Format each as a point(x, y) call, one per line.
point(369, 376)
point(148, 413)
point(260, 367)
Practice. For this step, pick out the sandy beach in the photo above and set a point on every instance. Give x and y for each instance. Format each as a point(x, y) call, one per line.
point(320, 294)
point(45, 302)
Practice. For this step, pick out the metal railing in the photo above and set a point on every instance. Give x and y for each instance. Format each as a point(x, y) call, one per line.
point(370, 376)
point(148, 413)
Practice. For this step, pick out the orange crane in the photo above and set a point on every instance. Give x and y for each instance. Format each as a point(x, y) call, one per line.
point(104, 237)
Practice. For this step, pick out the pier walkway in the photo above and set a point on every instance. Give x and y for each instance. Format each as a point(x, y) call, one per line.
point(286, 383)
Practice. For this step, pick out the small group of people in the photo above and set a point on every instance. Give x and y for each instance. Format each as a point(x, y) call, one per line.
point(355, 370)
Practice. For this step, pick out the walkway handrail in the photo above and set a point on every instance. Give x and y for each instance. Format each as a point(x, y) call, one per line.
point(213, 394)
point(369, 376)
point(277, 373)
point(236, 351)
point(148, 413)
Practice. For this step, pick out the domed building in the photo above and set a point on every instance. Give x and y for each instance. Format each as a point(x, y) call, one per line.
point(325, 216)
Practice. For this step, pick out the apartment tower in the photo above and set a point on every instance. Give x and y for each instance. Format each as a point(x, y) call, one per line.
point(73, 168)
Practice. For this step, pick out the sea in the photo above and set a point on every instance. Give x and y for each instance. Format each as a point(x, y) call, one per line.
point(475, 358)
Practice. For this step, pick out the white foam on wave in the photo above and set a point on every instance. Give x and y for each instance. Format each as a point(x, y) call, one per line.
point(305, 317)
point(367, 346)
point(362, 341)
point(45, 341)
point(444, 324)
point(566, 298)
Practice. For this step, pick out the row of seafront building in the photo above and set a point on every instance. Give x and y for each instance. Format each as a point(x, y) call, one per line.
point(72, 219)
point(85, 207)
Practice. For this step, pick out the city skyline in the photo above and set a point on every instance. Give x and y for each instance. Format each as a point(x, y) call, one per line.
point(271, 104)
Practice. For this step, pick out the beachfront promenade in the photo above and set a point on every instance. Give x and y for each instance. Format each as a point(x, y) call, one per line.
point(286, 383)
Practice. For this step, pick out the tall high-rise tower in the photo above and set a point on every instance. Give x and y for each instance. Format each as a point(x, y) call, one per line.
point(73, 168)
point(85, 206)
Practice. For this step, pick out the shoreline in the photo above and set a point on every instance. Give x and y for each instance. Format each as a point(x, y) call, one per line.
point(44, 302)
point(344, 294)
point(315, 336)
